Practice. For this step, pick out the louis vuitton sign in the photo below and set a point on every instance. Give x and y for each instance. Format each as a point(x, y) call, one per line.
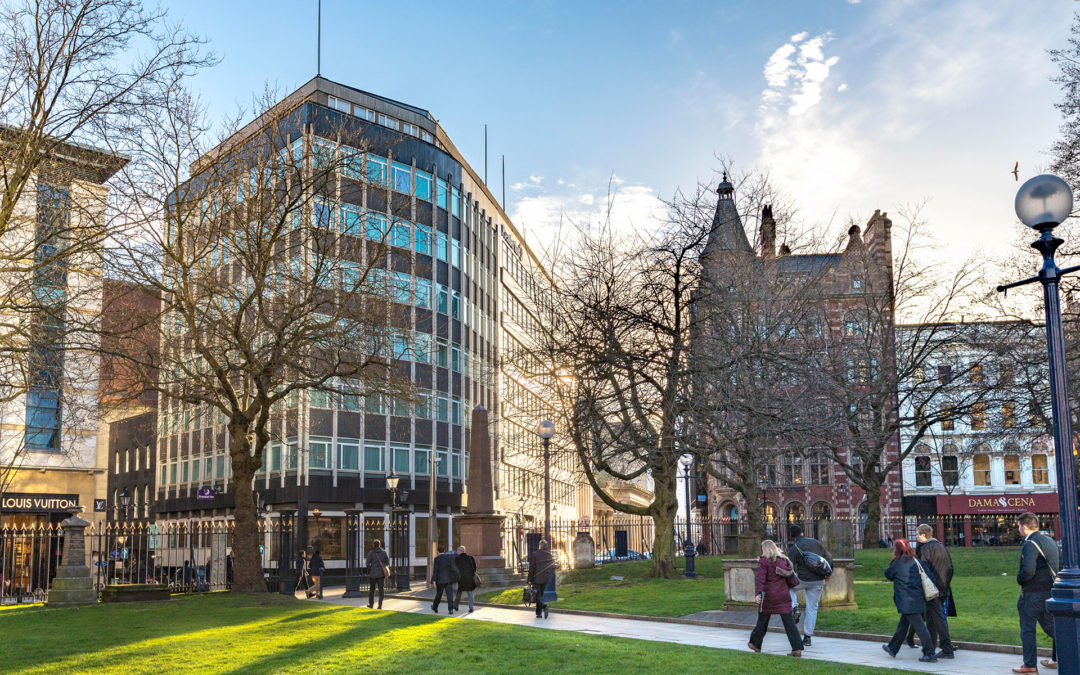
point(32, 502)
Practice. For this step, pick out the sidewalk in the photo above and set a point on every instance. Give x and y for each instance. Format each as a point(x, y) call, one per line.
point(837, 650)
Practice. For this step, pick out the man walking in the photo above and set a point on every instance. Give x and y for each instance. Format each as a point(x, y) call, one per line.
point(444, 572)
point(378, 566)
point(807, 553)
point(935, 556)
point(1038, 568)
point(467, 577)
point(541, 573)
point(316, 567)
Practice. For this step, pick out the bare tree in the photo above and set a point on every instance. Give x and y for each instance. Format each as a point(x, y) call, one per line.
point(69, 77)
point(270, 292)
point(1065, 151)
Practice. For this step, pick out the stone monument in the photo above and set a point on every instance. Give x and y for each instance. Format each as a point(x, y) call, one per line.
point(481, 527)
point(73, 584)
point(584, 551)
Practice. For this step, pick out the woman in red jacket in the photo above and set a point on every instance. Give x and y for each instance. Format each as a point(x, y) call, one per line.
point(771, 586)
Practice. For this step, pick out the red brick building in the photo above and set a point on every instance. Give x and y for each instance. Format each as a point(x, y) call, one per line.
point(804, 485)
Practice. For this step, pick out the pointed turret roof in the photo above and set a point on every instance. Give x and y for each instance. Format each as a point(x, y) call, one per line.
point(727, 232)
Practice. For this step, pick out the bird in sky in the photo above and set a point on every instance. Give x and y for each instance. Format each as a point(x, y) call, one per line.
point(1016, 172)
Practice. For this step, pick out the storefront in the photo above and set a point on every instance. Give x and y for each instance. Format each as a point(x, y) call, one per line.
point(990, 520)
point(30, 542)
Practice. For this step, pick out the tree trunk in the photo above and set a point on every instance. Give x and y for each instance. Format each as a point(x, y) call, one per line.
point(665, 505)
point(247, 566)
point(755, 521)
point(871, 534)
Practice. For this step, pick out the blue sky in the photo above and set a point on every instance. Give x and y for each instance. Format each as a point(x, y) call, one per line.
point(851, 106)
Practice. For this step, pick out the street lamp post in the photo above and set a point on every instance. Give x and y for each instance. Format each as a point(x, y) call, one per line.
point(397, 533)
point(1042, 203)
point(545, 430)
point(125, 502)
point(689, 551)
point(433, 515)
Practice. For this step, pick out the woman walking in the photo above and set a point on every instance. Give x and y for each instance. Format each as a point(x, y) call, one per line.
point(771, 587)
point(909, 598)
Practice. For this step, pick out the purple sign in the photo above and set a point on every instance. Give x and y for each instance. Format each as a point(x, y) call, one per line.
point(205, 494)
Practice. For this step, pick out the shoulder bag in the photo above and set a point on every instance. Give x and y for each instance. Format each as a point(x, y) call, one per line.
point(528, 595)
point(1051, 567)
point(814, 562)
point(929, 588)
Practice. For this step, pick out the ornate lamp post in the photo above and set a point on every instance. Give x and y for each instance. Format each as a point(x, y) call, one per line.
point(398, 533)
point(1042, 203)
point(545, 430)
point(689, 551)
point(125, 502)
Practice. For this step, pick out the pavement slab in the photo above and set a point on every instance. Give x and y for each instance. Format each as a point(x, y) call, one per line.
point(836, 650)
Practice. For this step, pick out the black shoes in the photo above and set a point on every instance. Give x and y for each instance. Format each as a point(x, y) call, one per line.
point(435, 609)
point(545, 611)
point(943, 655)
point(928, 658)
point(806, 641)
point(889, 651)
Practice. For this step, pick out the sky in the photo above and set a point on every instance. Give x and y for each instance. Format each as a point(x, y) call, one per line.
point(851, 106)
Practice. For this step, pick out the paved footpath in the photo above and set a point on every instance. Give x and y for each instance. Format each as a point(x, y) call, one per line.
point(837, 650)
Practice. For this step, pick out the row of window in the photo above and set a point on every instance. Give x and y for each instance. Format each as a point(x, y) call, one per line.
point(950, 470)
point(978, 417)
point(132, 459)
point(355, 455)
point(795, 469)
point(379, 118)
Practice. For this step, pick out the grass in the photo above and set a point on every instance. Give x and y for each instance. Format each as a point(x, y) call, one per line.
point(226, 633)
point(985, 598)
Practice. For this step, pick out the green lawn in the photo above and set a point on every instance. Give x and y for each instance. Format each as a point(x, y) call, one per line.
point(223, 633)
point(985, 599)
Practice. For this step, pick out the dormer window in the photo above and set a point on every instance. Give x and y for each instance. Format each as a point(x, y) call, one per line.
point(856, 283)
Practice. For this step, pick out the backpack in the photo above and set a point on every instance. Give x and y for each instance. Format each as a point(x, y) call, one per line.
point(814, 562)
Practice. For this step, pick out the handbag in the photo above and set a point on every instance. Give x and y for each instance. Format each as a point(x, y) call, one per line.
point(929, 588)
point(528, 595)
point(814, 562)
point(476, 580)
point(792, 581)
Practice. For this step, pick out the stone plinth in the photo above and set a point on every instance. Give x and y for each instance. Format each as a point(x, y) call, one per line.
point(584, 551)
point(135, 592)
point(72, 584)
point(739, 585)
point(481, 534)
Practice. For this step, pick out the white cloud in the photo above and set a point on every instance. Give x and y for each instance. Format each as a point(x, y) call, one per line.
point(536, 180)
point(587, 200)
point(842, 87)
point(795, 73)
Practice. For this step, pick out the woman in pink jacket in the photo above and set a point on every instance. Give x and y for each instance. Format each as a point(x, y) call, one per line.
point(771, 586)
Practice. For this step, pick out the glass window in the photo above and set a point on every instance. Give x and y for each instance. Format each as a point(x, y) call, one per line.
point(950, 470)
point(422, 187)
point(443, 300)
point(1012, 469)
point(975, 373)
point(978, 417)
point(162, 475)
point(373, 403)
point(319, 399)
point(376, 169)
point(402, 177)
point(1040, 472)
point(350, 396)
point(321, 215)
point(273, 457)
point(376, 226)
point(400, 233)
point(196, 464)
point(219, 466)
point(373, 457)
point(442, 459)
point(455, 253)
point(442, 193)
point(338, 104)
point(442, 354)
point(455, 409)
point(981, 467)
point(319, 453)
point(422, 460)
point(443, 409)
point(455, 202)
point(388, 121)
point(423, 239)
point(348, 455)
point(423, 406)
point(401, 458)
point(1008, 415)
point(364, 113)
point(421, 349)
point(456, 459)
point(944, 374)
point(946, 418)
point(923, 476)
point(1005, 373)
point(423, 293)
point(441, 251)
point(352, 222)
point(184, 471)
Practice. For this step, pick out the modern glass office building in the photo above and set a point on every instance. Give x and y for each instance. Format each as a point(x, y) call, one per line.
point(464, 282)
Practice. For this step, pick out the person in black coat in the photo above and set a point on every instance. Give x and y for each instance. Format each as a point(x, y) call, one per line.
point(378, 566)
point(467, 582)
point(541, 573)
point(301, 565)
point(316, 566)
point(935, 556)
point(1039, 565)
point(444, 574)
point(909, 599)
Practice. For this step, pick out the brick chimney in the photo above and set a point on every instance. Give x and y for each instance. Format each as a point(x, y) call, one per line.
point(768, 232)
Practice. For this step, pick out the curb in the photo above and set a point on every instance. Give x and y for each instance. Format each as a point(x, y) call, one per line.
point(865, 637)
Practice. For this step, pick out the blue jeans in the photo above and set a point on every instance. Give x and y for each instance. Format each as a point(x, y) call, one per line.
point(457, 603)
point(813, 590)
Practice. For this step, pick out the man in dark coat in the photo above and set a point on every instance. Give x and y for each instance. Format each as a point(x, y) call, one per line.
point(541, 573)
point(812, 583)
point(935, 556)
point(378, 566)
point(444, 573)
point(301, 565)
point(467, 582)
point(316, 567)
point(1039, 565)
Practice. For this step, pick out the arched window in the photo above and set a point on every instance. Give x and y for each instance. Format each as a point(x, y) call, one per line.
point(796, 513)
point(771, 515)
point(1012, 469)
point(980, 466)
point(950, 465)
point(821, 511)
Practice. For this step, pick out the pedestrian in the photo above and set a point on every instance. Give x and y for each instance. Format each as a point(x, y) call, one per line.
point(807, 554)
point(302, 572)
point(938, 610)
point(1039, 566)
point(541, 573)
point(773, 580)
point(316, 567)
point(909, 598)
point(378, 565)
point(228, 570)
point(467, 569)
point(444, 572)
